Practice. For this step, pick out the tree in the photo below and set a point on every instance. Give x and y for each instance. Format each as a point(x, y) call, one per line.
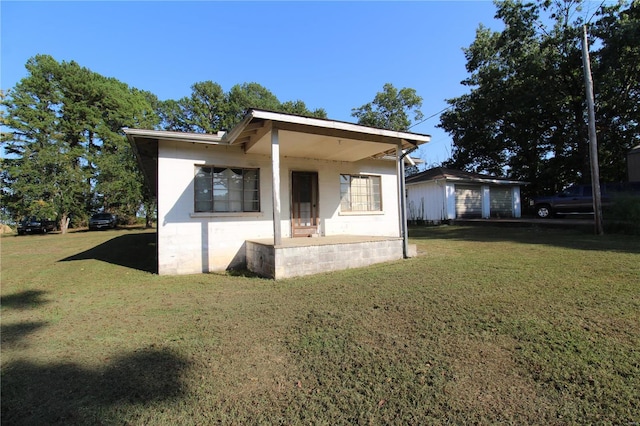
point(525, 113)
point(65, 148)
point(390, 109)
point(209, 109)
point(202, 112)
point(617, 76)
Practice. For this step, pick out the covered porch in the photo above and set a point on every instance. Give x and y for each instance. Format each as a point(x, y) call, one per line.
point(306, 256)
point(281, 136)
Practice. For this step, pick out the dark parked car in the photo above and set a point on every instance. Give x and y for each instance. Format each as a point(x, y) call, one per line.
point(579, 199)
point(102, 221)
point(34, 225)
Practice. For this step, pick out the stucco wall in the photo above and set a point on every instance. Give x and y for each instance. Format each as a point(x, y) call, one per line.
point(195, 243)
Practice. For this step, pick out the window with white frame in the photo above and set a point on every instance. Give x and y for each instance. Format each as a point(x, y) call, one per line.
point(360, 193)
point(226, 189)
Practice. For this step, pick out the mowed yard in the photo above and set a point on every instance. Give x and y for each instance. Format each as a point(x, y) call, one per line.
point(486, 326)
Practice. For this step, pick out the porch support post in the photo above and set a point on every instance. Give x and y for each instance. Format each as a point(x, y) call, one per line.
point(275, 182)
point(402, 201)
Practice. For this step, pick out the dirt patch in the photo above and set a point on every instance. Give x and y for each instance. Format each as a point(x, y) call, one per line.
point(488, 381)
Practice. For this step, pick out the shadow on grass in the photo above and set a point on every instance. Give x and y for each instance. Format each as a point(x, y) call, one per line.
point(136, 251)
point(13, 334)
point(28, 299)
point(35, 394)
point(568, 238)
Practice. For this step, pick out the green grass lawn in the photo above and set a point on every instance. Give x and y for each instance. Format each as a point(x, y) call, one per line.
point(486, 325)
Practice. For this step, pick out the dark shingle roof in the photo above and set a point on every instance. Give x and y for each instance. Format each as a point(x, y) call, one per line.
point(438, 173)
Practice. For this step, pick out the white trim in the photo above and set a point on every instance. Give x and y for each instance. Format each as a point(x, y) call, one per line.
point(362, 213)
point(226, 214)
point(204, 138)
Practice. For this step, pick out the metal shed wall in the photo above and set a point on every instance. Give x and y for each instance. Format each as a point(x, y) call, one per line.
point(468, 201)
point(501, 201)
point(426, 202)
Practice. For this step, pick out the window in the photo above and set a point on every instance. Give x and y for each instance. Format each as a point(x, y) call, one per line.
point(360, 193)
point(226, 189)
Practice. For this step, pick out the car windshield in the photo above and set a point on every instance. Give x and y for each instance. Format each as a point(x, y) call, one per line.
point(101, 216)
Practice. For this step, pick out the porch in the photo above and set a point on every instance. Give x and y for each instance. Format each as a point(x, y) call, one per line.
point(306, 256)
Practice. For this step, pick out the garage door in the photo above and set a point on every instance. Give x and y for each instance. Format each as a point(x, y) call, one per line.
point(501, 201)
point(468, 201)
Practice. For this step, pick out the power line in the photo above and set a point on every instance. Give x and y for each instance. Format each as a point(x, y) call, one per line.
point(431, 116)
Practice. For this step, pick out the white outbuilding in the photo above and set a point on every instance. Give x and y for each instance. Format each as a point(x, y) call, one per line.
point(442, 194)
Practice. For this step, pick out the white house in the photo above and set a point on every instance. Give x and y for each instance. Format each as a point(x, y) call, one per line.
point(280, 194)
point(441, 194)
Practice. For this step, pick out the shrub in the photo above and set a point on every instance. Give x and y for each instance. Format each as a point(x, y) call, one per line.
point(623, 215)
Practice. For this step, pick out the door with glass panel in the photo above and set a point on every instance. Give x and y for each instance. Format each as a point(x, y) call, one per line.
point(304, 204)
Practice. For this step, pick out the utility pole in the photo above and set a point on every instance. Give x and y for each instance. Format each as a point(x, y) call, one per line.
point(593, 142)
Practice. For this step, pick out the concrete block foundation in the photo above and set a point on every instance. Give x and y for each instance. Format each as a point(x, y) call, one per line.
point(307, 256)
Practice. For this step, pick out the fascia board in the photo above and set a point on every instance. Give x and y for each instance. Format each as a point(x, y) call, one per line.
point(203, 138)
point(481, 180)
point(412, 138)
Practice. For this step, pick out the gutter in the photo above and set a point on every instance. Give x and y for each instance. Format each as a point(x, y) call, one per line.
point(404, 231)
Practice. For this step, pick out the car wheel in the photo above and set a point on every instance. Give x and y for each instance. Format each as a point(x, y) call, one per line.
point(543, 212)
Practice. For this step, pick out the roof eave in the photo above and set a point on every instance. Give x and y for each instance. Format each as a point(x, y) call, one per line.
point(204, 138)
point(413, 139)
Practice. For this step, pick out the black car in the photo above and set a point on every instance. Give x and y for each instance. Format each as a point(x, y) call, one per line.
point(102, 221)
point(35, 225)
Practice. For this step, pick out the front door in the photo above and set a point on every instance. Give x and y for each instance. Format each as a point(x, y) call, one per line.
point(304, 204)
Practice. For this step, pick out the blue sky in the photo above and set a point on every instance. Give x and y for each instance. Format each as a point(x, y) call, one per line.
point(332, 55)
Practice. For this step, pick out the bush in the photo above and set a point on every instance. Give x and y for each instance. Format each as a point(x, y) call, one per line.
point(623, 215)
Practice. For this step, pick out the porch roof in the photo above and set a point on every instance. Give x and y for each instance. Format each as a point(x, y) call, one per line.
point(308, 137)
point(299, 137)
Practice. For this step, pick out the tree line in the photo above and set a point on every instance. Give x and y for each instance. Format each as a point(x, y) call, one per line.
point(66, 155)
point(524, 116)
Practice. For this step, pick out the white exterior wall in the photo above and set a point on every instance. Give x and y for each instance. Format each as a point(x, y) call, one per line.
point(191, 242)
point(429, 201)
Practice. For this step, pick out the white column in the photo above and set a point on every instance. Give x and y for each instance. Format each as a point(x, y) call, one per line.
point(516, 207)
point(450, 191)
point(486, 202)
point(275, 182)
point(402, 207)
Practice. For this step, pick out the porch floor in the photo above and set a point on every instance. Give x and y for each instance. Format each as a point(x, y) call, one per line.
point(312, 255)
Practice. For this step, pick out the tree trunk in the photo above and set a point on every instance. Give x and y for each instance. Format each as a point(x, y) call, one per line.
point(64, 223)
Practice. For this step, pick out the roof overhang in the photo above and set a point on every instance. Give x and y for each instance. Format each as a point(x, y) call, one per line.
point(307, 137)
point(298, 137)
